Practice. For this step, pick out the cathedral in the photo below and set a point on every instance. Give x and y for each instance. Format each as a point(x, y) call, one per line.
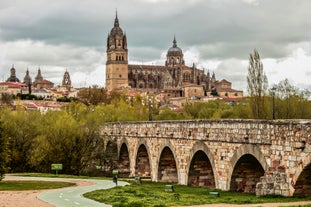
point(174, 79)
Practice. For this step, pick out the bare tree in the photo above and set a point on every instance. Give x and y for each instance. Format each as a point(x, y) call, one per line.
point(257, 85)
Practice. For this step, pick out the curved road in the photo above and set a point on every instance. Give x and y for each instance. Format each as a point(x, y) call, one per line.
point(72, 196)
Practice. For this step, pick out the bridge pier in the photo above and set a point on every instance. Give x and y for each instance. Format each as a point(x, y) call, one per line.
point(274, 183)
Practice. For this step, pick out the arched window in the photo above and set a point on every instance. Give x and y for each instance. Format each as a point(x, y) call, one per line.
point(186, 77)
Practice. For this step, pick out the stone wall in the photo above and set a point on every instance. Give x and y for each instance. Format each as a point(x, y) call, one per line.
point(281, 148)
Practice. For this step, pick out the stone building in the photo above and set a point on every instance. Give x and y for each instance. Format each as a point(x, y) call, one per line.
point(174, 79)
point(40, 83)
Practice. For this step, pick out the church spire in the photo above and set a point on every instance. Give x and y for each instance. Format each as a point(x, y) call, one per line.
point(116, 20)
point(174, 42)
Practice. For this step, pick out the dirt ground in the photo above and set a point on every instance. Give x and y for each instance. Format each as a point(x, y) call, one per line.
point(28, 198)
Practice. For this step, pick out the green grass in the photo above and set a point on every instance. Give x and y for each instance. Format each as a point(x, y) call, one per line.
point(151, 194)
point(32, 185)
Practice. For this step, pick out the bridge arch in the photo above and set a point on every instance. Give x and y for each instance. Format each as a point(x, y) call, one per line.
point(124, 160)
point(110, 161)
point(201, 171)
point(302, 185)
point(142, 162)
point(246, 167)
point(167, 164)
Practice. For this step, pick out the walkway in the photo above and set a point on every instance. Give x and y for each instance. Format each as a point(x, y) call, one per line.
point(72, 196)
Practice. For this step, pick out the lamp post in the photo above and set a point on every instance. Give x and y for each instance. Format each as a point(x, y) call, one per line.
point(150, 109)
point(273, 102)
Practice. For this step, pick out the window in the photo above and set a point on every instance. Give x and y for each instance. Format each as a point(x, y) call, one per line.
point(186, 77)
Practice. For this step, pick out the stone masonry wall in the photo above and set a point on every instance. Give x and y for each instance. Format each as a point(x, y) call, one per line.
point(282, 147)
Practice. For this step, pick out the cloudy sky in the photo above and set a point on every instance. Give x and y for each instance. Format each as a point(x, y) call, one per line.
point(217, 35)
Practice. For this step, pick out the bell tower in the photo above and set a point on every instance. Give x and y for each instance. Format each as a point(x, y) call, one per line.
point(117, 58)
point(66, 81)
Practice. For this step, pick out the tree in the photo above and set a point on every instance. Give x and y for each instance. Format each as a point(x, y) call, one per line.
point(7, 98)
point(168, 114)
point(71, 137)
point(20, 128)
point(93, 95)
point(257, 85)
point(290, 102)
point(3, 153)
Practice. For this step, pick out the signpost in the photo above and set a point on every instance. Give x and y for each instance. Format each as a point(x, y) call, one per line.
point(115, 177)
point(56, 167)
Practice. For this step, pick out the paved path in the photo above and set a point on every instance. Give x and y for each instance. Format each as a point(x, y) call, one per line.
point(72, 196)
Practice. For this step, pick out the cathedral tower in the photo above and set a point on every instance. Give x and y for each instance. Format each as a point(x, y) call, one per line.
point(27, 78)
point(117, 58)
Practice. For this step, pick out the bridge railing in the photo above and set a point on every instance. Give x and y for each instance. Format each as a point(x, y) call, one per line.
point(222, 130)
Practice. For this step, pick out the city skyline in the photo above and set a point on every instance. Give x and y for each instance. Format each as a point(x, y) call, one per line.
point(215, 35)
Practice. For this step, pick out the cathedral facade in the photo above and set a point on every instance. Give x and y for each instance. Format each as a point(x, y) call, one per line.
point(175, 79)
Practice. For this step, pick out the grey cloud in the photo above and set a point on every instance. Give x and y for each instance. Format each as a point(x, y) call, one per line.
point(201, 23)
point(73, 33)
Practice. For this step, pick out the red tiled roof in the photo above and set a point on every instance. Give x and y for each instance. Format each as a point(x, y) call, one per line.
point(45, 82)
point(30, 105)
point(13, 84)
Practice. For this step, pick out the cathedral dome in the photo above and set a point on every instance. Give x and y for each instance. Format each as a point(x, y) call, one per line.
point(13, 77)
point(174, 50)
point(116, 31)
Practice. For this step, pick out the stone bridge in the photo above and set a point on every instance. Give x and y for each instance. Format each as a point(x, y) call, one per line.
point(253, 156)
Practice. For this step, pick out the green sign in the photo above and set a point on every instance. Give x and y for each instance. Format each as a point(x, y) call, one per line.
point(115, 172)
point(56, 166)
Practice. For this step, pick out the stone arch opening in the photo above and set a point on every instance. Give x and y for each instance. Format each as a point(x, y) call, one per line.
point(124, 161)
point(142, 167)
point(201, 171)
point(303, 183)
point(246, 174)
point(110, 161)
point(167, 171)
